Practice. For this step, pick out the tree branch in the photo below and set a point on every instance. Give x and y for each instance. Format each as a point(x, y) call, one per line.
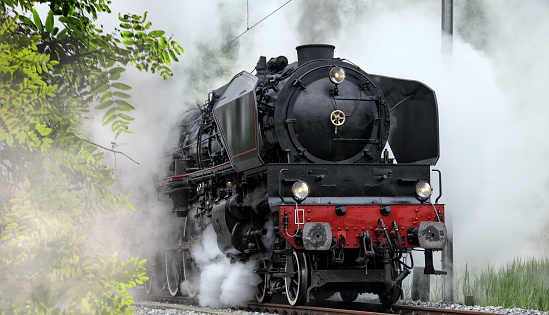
point(114, 151)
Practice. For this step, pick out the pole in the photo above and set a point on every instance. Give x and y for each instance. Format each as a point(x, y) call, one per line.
point(447, 26)
point(448, 253)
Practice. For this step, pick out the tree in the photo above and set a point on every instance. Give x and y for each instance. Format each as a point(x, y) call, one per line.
point(52, 183)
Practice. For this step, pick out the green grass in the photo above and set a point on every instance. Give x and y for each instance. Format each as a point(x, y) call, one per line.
point(519, 283)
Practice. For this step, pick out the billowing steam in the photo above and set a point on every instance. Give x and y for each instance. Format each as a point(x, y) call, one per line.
point(222, 283)
point(493, 113)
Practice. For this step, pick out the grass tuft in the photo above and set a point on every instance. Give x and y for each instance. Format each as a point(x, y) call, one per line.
point(520, 283)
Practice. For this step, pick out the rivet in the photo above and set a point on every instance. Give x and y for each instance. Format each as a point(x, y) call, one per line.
point(355, 243)
point(414, 222)
point(362, 228)
point(355, 228)
point(347, 228)
point(339, 229)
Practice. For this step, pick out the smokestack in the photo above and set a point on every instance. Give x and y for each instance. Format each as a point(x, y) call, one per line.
point(306, 53)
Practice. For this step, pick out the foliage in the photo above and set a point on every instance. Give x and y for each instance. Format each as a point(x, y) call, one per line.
point(520, 283)
point(52, 182)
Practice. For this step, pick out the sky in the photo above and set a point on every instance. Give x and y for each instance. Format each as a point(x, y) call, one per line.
point(492, 110)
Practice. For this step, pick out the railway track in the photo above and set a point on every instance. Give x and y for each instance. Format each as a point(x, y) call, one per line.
point(321, 308)
point(355, 309)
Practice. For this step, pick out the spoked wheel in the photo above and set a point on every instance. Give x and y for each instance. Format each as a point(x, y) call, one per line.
point(297, 284)
point(148, 286)
point(262, 292)
point(173, 272)
point(191, 274)
point(390, 297)
point(348, 296)
point(155, 272)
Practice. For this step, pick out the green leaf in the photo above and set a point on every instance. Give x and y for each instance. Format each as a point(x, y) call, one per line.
point(121, 86)
point(37, 20)
point(104, 104)
point(105, 96)
point(156, 33)
point(128, 42)
point(6, 236)
point(106, 181)
point(102, 88)
point(124, 106)
point(43, 129)
point(148, 25)
point(106, 120)
point(110, 112)
point(121, 95)
point(127, 34)
point(126, 26)
point(125, 117)
point(172, 54)
point(123, 19)
point(49, 22)
point(117, 69)
point(28, 22)
point(115, 76)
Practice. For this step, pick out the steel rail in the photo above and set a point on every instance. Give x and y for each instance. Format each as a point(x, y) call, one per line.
point(324, 308)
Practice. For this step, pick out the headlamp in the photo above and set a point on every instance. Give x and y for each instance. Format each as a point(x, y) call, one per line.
point(300, 190)
point(337, 75)
point(423, 190)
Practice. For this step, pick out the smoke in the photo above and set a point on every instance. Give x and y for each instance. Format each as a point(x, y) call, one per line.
point(492, 111)
point(314, 11)
point(222, 284)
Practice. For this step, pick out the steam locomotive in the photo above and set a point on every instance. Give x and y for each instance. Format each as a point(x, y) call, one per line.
point(293, 168)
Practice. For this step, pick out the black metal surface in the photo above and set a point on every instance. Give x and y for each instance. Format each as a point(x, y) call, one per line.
point(304, 107)
point(306, 53)
point(347, 184)
point(236, 115)
point(414, 120)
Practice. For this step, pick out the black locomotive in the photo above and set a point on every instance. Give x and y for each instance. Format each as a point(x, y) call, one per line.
point(291, 166)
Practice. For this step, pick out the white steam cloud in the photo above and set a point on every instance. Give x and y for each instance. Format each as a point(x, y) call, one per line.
point(492, 110)
point(222, 283)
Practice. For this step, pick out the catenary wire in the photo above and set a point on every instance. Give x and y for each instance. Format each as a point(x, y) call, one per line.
point(250, 27)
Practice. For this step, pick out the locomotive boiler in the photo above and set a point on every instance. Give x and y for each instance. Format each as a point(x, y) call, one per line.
point(317, 170)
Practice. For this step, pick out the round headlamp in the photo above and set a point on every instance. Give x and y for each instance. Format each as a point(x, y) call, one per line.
point(337, 75)
point(300, 190)
point(423, 190)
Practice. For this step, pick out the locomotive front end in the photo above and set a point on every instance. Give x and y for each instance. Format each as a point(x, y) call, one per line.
point(350, 213)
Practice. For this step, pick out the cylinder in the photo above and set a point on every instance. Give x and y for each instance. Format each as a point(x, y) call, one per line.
point(306, 53)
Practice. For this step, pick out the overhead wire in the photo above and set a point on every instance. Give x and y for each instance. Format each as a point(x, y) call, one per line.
point(250, 27)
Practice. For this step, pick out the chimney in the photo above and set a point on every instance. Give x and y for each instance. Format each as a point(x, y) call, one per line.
point(306, 53)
